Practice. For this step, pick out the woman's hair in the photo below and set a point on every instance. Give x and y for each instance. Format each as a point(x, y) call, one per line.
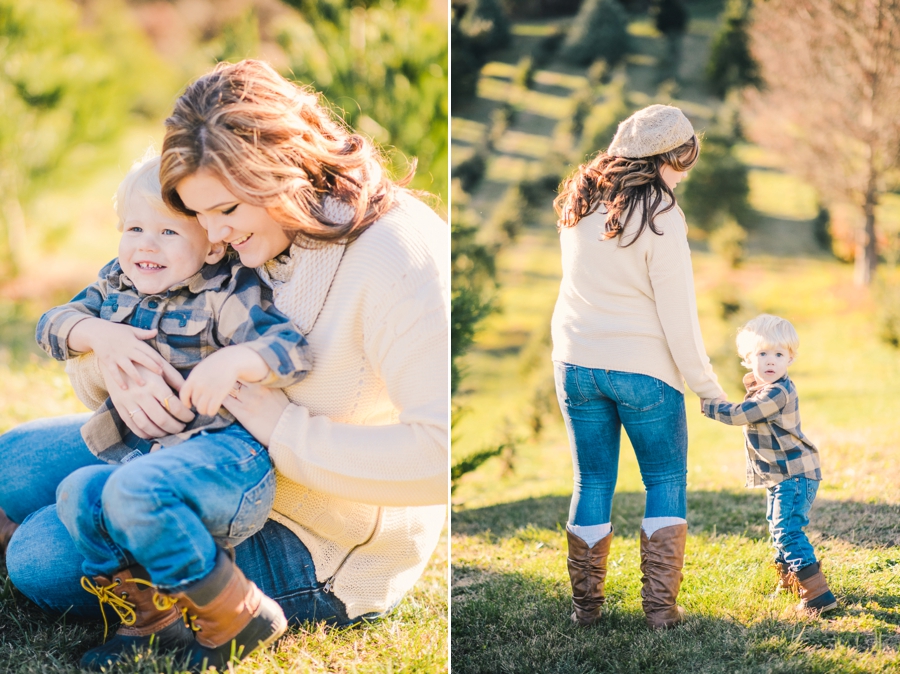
point(274, 144)
point(142, 180)
point(766, 332)
point(618, 184)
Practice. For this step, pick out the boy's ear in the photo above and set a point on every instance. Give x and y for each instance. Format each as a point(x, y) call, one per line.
point(216, 252)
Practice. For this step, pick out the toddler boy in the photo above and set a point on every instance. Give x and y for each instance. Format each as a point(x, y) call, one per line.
point(779, 457)
point(205, 313)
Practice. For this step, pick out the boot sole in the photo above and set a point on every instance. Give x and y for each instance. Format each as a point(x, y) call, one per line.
point(819, 610)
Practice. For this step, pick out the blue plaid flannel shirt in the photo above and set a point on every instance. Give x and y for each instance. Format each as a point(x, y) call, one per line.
point(776, 447)
point(221, 305)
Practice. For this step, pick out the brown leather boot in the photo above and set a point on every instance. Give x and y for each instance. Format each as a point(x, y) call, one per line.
point(130, 594)
point(815, 597)
point(231, 617)
point(662, 558)
point(587, 572)
point(7, 527)
point(787, 581)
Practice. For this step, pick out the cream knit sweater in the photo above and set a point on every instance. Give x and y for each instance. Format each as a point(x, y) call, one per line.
point(632, 309)
point(361, 455)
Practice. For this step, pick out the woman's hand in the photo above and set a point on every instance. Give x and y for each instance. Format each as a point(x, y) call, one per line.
point(153, 409)
point(118, 347)
point(258, 408)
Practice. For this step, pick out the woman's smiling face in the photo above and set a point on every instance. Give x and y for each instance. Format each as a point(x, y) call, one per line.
point(249, 229)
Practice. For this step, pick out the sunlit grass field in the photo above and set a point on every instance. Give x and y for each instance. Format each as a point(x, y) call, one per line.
point(510, 593)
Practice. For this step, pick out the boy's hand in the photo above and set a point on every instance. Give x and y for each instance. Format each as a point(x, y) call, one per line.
point(118, 347)
point(711, 400)
point(212, 380)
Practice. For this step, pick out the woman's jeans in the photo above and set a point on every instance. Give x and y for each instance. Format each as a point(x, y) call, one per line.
point(595, 405)
point(787, 510)
point(44, 563)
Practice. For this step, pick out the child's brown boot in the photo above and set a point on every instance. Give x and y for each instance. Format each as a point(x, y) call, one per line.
point(587, 573)
point(815, 597)
point(145, 621)
point(787, 581)
point(231, 617)
point(7, 527)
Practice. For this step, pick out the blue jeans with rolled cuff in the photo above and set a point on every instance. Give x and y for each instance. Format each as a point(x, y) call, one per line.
point(44, 563)
point(596, 404)
point(168, 510)
point(787, 511)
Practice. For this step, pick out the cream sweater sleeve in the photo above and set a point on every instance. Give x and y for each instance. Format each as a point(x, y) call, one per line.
point(672, 280)
point(405, 339)
point(84, 374)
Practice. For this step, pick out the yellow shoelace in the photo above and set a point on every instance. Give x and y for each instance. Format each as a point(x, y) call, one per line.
point(125, 609)
point(105, 594)
point(164, 603)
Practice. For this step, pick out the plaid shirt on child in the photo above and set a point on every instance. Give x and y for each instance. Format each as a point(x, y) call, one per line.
point(221, 305)
point(776, 447)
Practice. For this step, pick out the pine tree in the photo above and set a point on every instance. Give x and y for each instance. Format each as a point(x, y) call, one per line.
point(670, 16)
point(486, 24)
point(731, 65)
point(600, 30)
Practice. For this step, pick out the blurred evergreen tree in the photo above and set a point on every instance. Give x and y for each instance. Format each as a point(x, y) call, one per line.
point(68, 88)
point(669, 16)
point(472, 279)
point(731, 65)
point(383, 66)
point(486, 24)
point(465, 64)
point(717, 186)
point(600, 30)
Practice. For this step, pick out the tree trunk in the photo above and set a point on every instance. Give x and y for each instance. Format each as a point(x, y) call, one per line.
point(866, 258)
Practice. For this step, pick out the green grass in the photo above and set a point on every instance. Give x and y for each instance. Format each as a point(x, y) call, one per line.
point(510, 594)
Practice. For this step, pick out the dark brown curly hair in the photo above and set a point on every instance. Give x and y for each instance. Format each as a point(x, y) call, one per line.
point(618, 183)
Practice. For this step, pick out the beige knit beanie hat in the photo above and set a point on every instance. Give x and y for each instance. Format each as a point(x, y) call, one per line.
point(653, 130)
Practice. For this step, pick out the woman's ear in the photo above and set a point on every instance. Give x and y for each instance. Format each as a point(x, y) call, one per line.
point(216, 252)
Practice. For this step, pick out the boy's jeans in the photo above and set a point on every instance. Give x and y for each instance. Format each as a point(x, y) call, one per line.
point(157, 509)
point(787, 510)
point(45, 566)
point(595, 405)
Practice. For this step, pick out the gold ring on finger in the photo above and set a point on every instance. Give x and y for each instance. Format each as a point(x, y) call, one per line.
point(166, 403)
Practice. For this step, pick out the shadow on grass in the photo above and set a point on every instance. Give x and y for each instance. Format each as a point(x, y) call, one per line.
point(510, 622)
point(724, 512)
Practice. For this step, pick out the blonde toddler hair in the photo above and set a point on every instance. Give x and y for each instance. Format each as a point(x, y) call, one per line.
point(142, 180)
point(766, 331)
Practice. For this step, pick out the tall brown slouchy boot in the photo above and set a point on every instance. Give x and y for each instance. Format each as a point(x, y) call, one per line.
point(662, 558)
point(587, 572)
point(145, 622)
point(7, 527)
point(231, 616)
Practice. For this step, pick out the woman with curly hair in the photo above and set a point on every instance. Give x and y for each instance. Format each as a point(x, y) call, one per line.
point(360, 447)
point(625, 340)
